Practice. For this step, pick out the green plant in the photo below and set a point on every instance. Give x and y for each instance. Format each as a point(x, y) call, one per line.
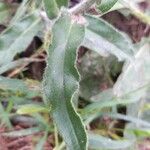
point(65, 31)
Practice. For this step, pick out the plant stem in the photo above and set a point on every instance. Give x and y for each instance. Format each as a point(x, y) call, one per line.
point(82, 7)
point(62, 145)
point(56, 138)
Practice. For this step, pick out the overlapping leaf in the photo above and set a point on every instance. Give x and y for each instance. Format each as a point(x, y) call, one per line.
point(104, 38)
point(106, 5)
point(61, 3)
point(61, 81)
point(99, 142)
point(4, 12)
point(135, 75)
point(17, 37)
point(52, 7)
point(16, 85)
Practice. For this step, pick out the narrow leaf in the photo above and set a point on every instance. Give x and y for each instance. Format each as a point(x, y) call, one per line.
point(106, 5)
point(136, 74)
point(4, 117)
point(61, 3)
point(31, 109)
point(20, 11)
point(51, 8)
point(61, 81)
point(104, 38)
point(18, 86)
point(4, 12)
point(41, 142)
point(17, 38)
point(99, 142)
point(23, 132)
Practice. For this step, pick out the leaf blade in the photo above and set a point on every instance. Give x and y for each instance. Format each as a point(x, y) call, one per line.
point(51, 8)
point(17, 38)
point(106, 5)
point(61, 3)
point(61, 81)
point(108, 39)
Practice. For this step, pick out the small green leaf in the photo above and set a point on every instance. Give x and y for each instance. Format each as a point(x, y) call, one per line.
point(31, 109)
point(20, 11)
point(141, 132)
point(61, 3)
point(41, 142)
point(19, 87)
point(4, 12)
point(23, 132)
point(106, 5)
point(136, 121)
point(61, 81)
point(51, 8)
point(99, 142)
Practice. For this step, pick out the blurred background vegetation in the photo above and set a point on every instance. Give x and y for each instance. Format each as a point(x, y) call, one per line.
point(114, 100)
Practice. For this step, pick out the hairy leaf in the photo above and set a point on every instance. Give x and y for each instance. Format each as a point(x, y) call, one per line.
point(136, 72)
point(99, 142)
point(20, 11)
point(61, 81)
point(17, 86)
point(51, 8)
point(4, 117)
point(106, 5)
point(4, 12)
point(17, 38)
point(105, 39)
point(61, 3)
point(23, 132)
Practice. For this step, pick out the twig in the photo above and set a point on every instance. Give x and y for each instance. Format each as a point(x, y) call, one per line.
point(23, 63)
point(18, 63)
point(82, 7)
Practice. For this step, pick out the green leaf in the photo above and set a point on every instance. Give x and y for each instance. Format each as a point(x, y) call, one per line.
point(51, 8)
point(136, 121)
point(23, 132)
point(18, 86)
point(41, 142)
point(100, 143)
point(20, 11)
point(98, 106)
point(31, 109)
point(4, 12)
point(135, 74)
point(61, 3)
point(17, 38)
point(141, 132)
point(61, 81)
point(12, 84)
point(106, 5)
point(104, 39)
point(4, 117)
